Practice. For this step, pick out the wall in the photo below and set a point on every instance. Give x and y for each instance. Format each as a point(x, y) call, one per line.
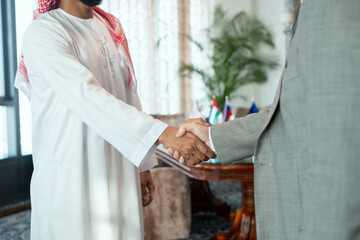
point(269, 12)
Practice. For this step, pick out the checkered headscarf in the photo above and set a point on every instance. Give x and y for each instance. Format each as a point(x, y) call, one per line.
point(22, 80)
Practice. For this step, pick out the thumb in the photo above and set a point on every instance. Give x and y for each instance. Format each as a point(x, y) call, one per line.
point(183, 129)
point(202, 122)
point(198, 121)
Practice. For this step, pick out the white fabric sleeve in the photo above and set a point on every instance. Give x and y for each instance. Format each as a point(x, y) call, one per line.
point(150, 162)
point(50, 57)
point(211, 142)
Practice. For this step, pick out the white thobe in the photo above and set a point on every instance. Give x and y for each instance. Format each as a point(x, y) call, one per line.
point(89, 135)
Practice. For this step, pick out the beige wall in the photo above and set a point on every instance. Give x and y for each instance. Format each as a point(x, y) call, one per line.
point(270, 12)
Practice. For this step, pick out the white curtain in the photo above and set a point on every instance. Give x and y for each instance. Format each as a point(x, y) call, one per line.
point(201, 13)
point(153, 29)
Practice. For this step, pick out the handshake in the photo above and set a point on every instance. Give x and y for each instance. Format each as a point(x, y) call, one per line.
point(190, 143)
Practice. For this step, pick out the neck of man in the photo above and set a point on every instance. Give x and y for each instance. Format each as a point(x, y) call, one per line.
point(76, 8)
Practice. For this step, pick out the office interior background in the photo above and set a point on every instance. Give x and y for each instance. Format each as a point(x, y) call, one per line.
point(153, 28)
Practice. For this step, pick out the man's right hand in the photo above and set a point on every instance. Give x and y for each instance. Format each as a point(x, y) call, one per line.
point(200, 130)
point(190, 147)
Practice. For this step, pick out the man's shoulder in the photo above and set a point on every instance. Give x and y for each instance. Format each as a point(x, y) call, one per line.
point(47, 22)
point(45, 26)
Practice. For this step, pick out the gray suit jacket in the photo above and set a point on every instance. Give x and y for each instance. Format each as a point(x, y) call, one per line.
point(307, 144)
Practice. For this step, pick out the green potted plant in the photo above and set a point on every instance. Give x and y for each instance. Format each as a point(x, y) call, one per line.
point(235, 54)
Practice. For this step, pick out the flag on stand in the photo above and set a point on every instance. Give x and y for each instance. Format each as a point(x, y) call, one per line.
point(197, 112)
point(214, 112)
point(253, 108)
point(227, 110)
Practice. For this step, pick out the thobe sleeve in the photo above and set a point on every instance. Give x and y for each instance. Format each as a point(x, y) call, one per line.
point(49, 56)
point(236, 139)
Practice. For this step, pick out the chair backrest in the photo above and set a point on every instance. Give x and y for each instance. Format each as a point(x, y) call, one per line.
point(169, 215)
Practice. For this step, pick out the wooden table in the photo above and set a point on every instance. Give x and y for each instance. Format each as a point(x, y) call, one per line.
point(244, 226)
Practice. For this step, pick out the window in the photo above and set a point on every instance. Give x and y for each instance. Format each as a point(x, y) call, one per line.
point(8, 98)
point(15, 163)
point(154, 29)
point(201, 12)
point(151, 28)
point(2, 85)
point(15, 167)
point(15, 118)
point(24, 16)
point(3, 135)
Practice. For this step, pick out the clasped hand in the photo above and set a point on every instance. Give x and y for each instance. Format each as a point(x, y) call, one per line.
point(189, 143)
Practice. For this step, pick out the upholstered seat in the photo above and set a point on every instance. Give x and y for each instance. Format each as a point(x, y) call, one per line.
point(169, 214)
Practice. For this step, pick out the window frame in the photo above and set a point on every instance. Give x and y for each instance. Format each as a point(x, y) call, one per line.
point(15, 169)
point(10, 99)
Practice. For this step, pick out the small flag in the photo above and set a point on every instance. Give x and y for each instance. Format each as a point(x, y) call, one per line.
point(214, 112)
point(253, 108)
point(227, 110)
point(197, 112)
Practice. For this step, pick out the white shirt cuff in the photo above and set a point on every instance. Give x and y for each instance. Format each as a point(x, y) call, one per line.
point(147, 145)
point(211, 142)
point(150, 160)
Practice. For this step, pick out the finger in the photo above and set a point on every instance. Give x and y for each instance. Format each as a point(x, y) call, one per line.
point(171, 152)
point(152, 190)
point(192, 161)
point(181, 160)
point(182, 130)
point(202, 147)
point(205, 149)
point(176, 155)
point(196, 157)
point(187, 127)
point(198, 121)
point(143, 189)
point(146, 201)
point(144, 193)
point(189, 150)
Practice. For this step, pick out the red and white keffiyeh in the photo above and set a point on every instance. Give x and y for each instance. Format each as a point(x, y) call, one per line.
point(22, 80)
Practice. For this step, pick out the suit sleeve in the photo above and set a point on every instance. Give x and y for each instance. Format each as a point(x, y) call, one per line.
point(236, 139)
point(48, 56)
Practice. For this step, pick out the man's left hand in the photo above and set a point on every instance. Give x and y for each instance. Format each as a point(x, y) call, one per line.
point(147, 188)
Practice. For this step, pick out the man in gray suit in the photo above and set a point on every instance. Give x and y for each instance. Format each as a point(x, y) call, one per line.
point(307, 143)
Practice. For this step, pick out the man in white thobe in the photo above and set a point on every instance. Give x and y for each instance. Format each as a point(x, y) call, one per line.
point(89, 134)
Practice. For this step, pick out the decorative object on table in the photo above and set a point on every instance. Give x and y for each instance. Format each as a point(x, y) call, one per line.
point(227, 110)
point(236, 55)
point(197, 111)
point(253, 108)
point(214, 112)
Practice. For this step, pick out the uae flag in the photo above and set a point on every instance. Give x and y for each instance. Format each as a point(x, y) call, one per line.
point(227, 110)
point(214, 112)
